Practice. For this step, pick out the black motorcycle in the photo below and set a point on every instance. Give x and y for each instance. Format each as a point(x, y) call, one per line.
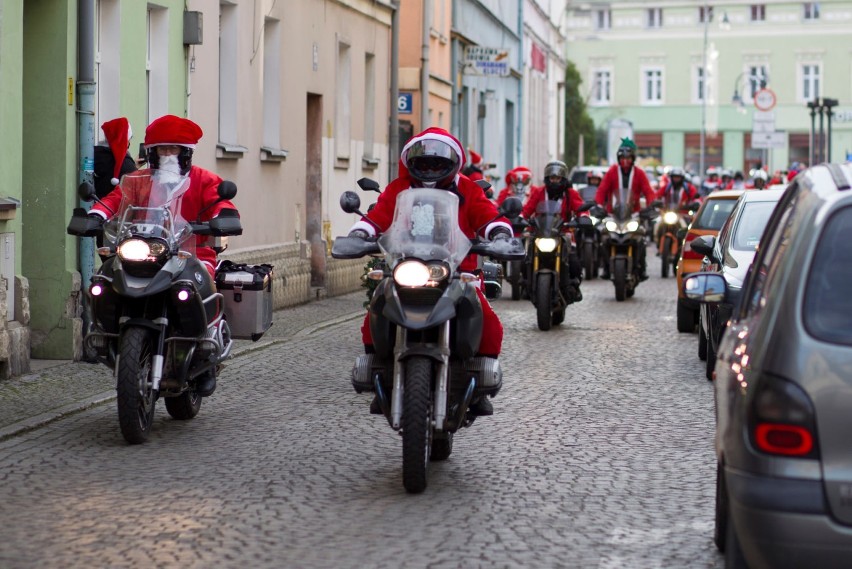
point(623, 237)
point(157, 318)
point(514, 270)
point(548, 252)
point(426, 322)
point(587, 234)
point(671, 227)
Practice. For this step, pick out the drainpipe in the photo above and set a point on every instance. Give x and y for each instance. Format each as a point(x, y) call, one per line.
point(519, 131)
point(86, 126)
point(424, 65)
point(393, 138)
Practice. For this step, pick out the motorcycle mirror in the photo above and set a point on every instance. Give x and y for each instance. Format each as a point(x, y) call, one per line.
point(367, 185)
point(586, 206)
point(484, 184)
point(350, 202)
point(86, 191)
point(227, 190)
point(511, 207)
point(597, 211)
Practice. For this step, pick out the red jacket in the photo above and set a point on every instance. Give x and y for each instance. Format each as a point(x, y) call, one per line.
point(504, 193)
point(203, 191)
point(570, 203)
point(687, 193)
point(608, 190)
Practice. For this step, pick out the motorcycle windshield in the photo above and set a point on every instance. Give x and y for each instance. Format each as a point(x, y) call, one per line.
point(548, 217)
point(622, 212)
point(426, 227)
point(150, 209)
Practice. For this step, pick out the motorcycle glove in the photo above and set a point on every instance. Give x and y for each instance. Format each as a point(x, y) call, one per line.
point(359, 233)
point(500, 233)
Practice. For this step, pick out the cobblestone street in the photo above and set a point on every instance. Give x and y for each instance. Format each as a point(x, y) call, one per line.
point(599, 455)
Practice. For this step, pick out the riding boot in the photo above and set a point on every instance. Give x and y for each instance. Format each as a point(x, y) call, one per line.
point(481, 407)
point(205, 384)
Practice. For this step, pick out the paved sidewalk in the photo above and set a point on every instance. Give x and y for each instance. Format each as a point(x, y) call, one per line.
point(56, 388)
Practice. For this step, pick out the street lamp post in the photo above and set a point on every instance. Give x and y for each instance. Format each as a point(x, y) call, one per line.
point(703, 94)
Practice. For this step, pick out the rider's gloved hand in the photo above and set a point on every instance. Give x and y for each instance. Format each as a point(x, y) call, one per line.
point(500, 233)
point(359, 233)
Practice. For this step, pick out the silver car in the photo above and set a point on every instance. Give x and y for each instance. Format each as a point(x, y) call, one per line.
point(784, 385)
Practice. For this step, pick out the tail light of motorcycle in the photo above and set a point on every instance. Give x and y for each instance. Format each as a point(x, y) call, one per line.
point(782, 421)
point(688, 253)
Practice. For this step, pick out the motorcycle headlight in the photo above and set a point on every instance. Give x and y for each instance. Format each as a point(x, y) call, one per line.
point(411, 273)
point(611, 225)
point(594, 219)
point(670, 218)
point(134, 250)
point(545, 244)
point(632, 225)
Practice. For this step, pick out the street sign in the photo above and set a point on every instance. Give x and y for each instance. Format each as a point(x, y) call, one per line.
point(763, 121)
point(777, 139)
point(405, 103)
point(480, 60)
point(764, 100)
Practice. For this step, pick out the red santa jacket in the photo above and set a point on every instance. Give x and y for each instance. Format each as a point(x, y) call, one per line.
point(203, 191)
point(570, 203)
point(638, 185)
point(684, 195)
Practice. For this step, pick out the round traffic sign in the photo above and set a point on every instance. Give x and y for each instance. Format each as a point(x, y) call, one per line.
point(764, 100)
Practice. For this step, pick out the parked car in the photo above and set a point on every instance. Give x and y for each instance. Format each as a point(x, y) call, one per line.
point(730, 255)
point(579, 176)
point(708, 220)
point(784, 387)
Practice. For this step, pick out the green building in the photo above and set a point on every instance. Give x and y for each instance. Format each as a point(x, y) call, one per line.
point(683, 71)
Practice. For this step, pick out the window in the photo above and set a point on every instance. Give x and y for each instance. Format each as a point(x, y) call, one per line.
point(655, 18)
point(652, 85)
point(157, 63)
point(827, 311)
point(699, 84)
point(228, 73)
point(758, 12)
point(602, 87)
point(271, 85)
point(369, 104)
point(714, 214)
point(750, 224)
point(107, 62)
point(343, 103)
point(757, 78)
point(810, 89)
point(602, 19)
point(811, 10)
point(705, 14)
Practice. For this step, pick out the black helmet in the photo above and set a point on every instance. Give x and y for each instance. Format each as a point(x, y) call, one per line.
point(555, 169)
point(432, 162)
point(627, 149)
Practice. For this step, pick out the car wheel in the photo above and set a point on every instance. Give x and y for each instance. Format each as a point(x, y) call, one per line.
point(734, 558)
point(702, 342)
point(685, 318)
point(711, 359)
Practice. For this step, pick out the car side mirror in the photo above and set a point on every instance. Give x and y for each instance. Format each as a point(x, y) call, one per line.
point(703, 245)
point(705, 287)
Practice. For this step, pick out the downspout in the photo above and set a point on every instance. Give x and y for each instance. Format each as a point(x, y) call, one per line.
point(424, 65)
point(86, 127)
point(519, 134)
point(393, 138)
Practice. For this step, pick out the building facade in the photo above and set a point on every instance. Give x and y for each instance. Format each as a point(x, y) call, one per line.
point(678, 69)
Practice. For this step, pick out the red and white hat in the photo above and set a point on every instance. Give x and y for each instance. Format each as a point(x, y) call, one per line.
point(172, 130)
point(475, 158)
point(117, 133)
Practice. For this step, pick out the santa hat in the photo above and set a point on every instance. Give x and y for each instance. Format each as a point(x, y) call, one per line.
point(432, 133)
point(117, 133)
point(171, 130)
point(475, 158)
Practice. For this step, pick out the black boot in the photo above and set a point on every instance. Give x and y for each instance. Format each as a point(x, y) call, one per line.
point(481, 407)
point(205, 384)
point(375, 408)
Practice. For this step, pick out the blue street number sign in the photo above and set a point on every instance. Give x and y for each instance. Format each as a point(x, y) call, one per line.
point(405, 103)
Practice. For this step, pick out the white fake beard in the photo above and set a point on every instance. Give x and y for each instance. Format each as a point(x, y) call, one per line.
point(170, 164)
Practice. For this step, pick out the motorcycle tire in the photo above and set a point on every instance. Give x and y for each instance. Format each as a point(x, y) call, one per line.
point(619, 279)
point(589, 262)
point(702, 343)
point(685, 318)
point(543, 299)
point(515, 279)
point(184, 406)
point(442, 447)
point(134, 390)
point(558, 317)
point(666, 256)
point(416, 423)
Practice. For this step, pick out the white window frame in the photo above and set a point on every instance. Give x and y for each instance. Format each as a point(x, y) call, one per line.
point(343, 101)
point(157, 62)
point(761, 9)
point(369, 106)
point(752, 73)
point(272, 84)
point(228, 76)
point(107, 63)
point(814, 83)
point(699, 83)
point(603, 19)
point(660, 87)
point(597, 74)
point(810, 11)
point(654, 18)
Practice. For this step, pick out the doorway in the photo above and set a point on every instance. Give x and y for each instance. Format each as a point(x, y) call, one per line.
point(313, 189)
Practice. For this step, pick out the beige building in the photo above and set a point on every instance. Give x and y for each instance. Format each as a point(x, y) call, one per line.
point(293, 100)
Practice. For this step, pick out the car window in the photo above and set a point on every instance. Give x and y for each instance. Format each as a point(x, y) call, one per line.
point(579, 176)
point(827, 308)
point(714, 214)
point(769, 255)
point(750, 225)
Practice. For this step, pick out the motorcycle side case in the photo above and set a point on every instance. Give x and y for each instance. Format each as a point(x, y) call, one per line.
point(248, 300)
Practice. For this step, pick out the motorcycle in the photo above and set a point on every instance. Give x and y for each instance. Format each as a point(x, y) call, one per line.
point(672, 225)
point(426, 322)
point(588, 235)
point(623, 235)
point(514, 270)
point(157, 318)
point(548, 249)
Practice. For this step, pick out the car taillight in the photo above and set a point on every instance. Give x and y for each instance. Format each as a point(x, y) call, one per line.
point(782, 421)
point(688, 253)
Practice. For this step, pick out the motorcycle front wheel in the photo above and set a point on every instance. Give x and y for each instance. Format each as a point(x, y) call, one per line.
point(184, 406)
point(619, 279)
point(666, 255)
point(134, 387)
point(542, 301)
point(416, 423)
point(514, 269)
point(590, 264)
